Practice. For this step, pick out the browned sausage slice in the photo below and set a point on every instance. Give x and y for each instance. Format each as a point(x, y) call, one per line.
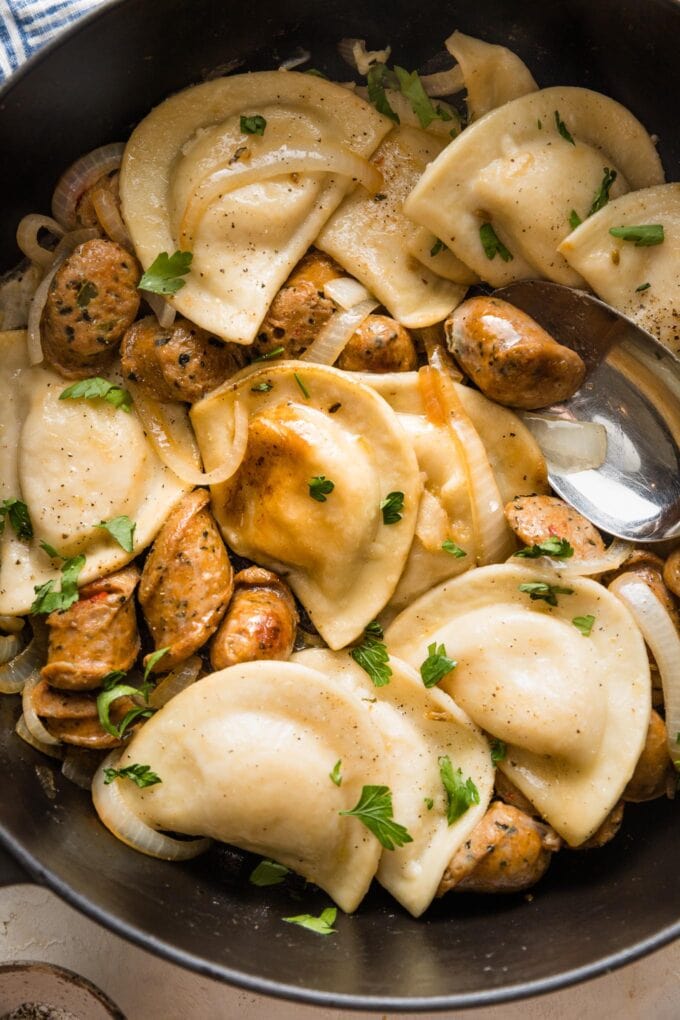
point(380, 344)
point(96, 635)
point(187, 581)
point(534, 519)
point(73, 718)
point(654, 767)
point(260, 623)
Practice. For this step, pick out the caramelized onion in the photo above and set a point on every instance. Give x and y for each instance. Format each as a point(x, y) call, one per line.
point(33, 723)
point(611, 559)
point(11, 624)
point(163, 311)
point(80, 176)
point(175, 682)
point(354, 53)
point(346, 291)
point(28, 232)
point(337, 332)
point(108, 214)
point(22, 730)
point(443, 83)
point(15, 673)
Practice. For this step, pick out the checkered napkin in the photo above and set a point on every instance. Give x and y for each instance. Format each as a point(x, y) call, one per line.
point(26, 25)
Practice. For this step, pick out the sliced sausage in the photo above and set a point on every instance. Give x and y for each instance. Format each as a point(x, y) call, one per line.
point(510, 357)
point(510, 794)
point(187, 581)
point(650, 568)
point(534, 519)
point(654, 765)
point(72, 717)
point(92, 300)
point(260, 623)
point(94, 636)
point(606, 831)
point(380, 344)
point(182, 362)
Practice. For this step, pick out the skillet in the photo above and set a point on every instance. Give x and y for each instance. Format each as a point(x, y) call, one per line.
point(593, 911)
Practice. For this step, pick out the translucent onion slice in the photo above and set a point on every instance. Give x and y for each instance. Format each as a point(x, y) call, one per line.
point(301, 58)
point(493, 540)
point(330, 159)
point(163, 311)
point(80, 176)
point(15, 673)
point(22, 730)
point(443, 83)
point(346, 291)
point(80, 766)
point(354, 53)
point(10, 646)
point(120, 819)
point(11, 624)
point(659, 632)
point(169, 430)
point(33, 723)
point(108, 214)
point(568, 446)
point(336, 334)
point(27, 238)
point(611, 559)
point(175, 682)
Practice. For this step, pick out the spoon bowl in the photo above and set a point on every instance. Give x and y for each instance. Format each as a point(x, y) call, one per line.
point(632, 388)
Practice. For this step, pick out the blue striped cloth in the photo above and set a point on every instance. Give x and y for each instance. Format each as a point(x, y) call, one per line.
point(26, 25)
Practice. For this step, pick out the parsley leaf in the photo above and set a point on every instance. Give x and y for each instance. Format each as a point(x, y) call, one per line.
point(429, 803)
point(373, 657)
point(98, 388)
point(113, 678)
point(334, 774)
point(563, 129)
point(453, 549)
point(644, 236)
point(303, 388)
point(374, 809)
point(643, 286)
point(411, 87)
point(122, 529)
point(374, 629)
point(602, 193)
point(460, 795)
point(436, 665)
point(320, 487)
point(584, 624)
point(164, 275)
point(270, 355)
point(437, 247)
point(559, 548)
point(574, 219)
point(262, 387)
point(49, 601)
point(546, 592)
point(499, 749)
point(86, 293)
point(268, 873)
point(391, 507)
point(19, 517)
point(492, 244)
point(139, 774)
point(378, 76)
point(106, 698)
point(152, 659)
point(322, 925)
point(254, 125)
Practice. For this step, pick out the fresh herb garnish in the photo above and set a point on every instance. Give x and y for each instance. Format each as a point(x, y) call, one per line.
point(49, 601)
point(460, 794)
point(453, 549)
point(97, 388)
point(322, 925)
point(276, 352)
point(122, 529)
point(645, 236)
point(374, 629)
point(320, 487)
point(574, 219)
point(86, 293)
point(254, 125)
point(139, 774)
point(374, 809)
point(106, 698)
point(546, 592)
point(334, 774)
point(492, 244)
point(262, 387)
point(268, 873)
point(437, 247)
point(378, 76)
point(411, 87)
point(563, 129)
point(436, 665)
point(429, 803)
point(602, 193)
point(153, 659)
point(373, 657)
point(584, 624)
point(19, 517)
point(558, 548)
point(164, 275)
point(392, 506)
point(303, 388)
point(499, 749)
point(643, 286)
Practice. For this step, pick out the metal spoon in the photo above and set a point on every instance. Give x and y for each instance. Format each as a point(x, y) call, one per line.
point(632, 388)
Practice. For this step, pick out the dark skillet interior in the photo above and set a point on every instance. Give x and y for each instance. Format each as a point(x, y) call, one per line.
point(594, 909)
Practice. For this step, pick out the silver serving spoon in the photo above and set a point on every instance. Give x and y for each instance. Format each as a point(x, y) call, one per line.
point(632, 388)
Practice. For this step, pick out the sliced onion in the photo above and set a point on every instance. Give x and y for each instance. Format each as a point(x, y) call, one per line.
point(346, 291)
point(568, 446)
point(443, 83)
point(80, 766)
point(10, 646)
point(108, 214)
point(302, 57)
point(80, 176)
point(661, 636)
point(330, 159)
point(354, 53)
point(493, 541)
point(611, 559)
point(33, 723)
point(169, 431)
point(175, 682)
point(22, 730)
point(163, 311)
point(15, 673)
point(27, 238)
point(119, 818)
point(337, 332)
point(11, 624)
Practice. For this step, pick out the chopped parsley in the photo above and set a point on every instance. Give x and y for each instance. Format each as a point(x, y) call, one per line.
point(546, 592)
point(334, 774)
point(49, 601)
point(563, 129)
point(276, 352)
point(374, 810)
point(262, 387)
point(96, 388)
point(643, 286)
point(86, 293)
point(602, 193)
point(320, 488)
point(574, 219)
point(141, 775)
point(558, 548)
point(645, 236)
point(378, 77)
point(391, 507)
point(437, 247)
point(453, 549)
point(109, 694)
point(429, 803)
point(164, 275)
point(411, 87)
point(436, 665)
point(373, 657)
point(499, 749)
point(153, 659)
point(322, 925)
point(303, 388)
point(584, 624)
point(19, 517)
point(122, 529)
point(492, 244)
point(460, 794)
point(254, 125)
point(268, 873)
